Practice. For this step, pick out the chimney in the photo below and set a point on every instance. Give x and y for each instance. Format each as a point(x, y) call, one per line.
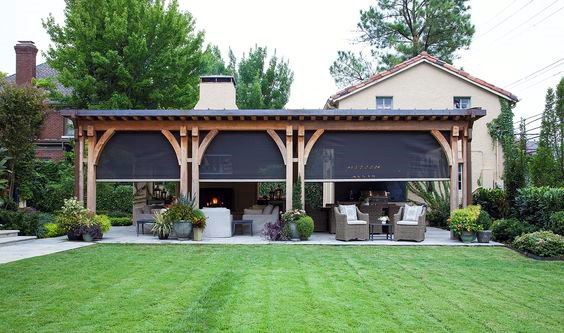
point(217, 92)
point(25, 61)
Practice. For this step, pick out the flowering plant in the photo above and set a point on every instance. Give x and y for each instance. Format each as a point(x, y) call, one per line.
point(292, 215)
point(383, 219)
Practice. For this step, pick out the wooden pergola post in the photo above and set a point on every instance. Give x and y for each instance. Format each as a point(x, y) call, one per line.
point(465, 162)
point(301, 162)
point(91, 171)
point(79, 164)
point(183, 161)
point(454, 168)
point(469, 168)
point(289, 166)
point(196, 164)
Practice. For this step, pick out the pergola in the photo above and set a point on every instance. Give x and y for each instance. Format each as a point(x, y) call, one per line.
point(116, 140)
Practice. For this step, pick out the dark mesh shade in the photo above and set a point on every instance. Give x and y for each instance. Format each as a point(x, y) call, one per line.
point(242, 155)
point(376, 155)
point(138, 156)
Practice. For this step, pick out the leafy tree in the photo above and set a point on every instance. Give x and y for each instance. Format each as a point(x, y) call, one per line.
point(4, 158)
point(126, 54)
point(400, 29)
point(213, 63)
point(544, 165)
point(22, 109)
point(559, 119)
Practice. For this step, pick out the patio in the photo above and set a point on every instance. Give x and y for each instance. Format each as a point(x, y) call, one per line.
point(434, 237)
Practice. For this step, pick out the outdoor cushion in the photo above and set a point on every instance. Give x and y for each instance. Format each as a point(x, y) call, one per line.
point(412, 213)
point(249, 211)
point(407, 222)
point(356, 222)
point(349, 211)
point(268, 210)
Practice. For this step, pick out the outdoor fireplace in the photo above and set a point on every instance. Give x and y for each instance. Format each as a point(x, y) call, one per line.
point(216, 197)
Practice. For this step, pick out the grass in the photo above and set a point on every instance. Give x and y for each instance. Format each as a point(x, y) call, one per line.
point(148, 288)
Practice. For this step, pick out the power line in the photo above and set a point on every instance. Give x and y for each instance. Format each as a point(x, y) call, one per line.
point(535, 72)
point(507, 18)
point(539, 82)
point(549, 16)
point(502, 10)
point(524, 24)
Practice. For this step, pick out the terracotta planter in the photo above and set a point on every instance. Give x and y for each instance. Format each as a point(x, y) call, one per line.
point(198, 232)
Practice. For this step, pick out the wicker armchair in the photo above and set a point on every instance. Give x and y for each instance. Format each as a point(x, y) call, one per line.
point(349, 231)
point(409, 230)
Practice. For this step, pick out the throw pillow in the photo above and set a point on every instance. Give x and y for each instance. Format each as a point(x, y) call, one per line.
point(268, 210)
point(349, 211)
point(412, 213)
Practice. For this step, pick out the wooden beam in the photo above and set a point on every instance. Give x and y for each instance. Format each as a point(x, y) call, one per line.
point(79, 164)
point(183, 161)
point(301, 163)
point(168, 135)
point(464, 171)
point(195, 164)
point(205, 143)
point(454, 173)
point(444, 145)
point(289, 166)
point(279, 143)
point(311, 142)
point(91, 172)
point(102, 143)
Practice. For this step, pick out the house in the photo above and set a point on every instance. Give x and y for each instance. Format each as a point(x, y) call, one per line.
point(56, 132)
point(426, 82)
point(221, 154)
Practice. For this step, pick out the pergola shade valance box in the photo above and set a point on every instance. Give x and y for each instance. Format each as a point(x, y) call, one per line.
point(190, 146)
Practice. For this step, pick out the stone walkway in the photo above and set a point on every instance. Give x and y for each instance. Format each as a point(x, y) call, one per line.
point(37, 247)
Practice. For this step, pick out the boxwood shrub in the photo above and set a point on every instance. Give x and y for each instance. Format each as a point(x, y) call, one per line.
point(506, 230)
point(305, 227)
point(52, 230)
point(29, 223)
point(541, 243)
point(120, 221)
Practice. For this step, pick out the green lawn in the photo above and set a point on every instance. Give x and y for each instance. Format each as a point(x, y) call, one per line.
point(281, 288)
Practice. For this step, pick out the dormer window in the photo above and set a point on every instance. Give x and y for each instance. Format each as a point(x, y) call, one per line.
point(461, 102)
point(384, 103)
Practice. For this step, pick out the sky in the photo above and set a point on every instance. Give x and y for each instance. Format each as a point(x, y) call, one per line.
point(514, 39)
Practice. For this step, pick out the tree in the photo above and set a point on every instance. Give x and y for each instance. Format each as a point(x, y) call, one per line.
point(400, 29)
point(559, 118)
point(212, 62)
point(543, 166)
point(126, 54)
point(22, 109)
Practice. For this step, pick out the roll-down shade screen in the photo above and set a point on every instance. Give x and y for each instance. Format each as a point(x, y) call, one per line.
point(138, 156)
point(242, 156)
point(376, 156)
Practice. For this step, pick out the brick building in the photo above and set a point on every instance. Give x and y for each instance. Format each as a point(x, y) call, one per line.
point(56, 132)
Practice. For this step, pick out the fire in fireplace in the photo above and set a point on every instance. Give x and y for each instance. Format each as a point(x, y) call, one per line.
point(216, 197)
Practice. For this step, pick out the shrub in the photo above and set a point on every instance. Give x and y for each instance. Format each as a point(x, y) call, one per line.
point(557, 222)
point(541, 243)
point(465, 219)
point(52, 230)
point(438, 217)
point(114, 197)
point(305, 227)
point(484, 220)
point(27, 222)
point(535, 205)
point(104, 222)
point(73, 215)
point(120, 221)
point(53, 182)
point(276, 231)
point(493, 201)
point(506, 230)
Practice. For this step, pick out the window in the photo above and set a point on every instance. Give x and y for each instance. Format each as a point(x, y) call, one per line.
point(68, 130)
point(384, 103)
point(462, 102)
point(460, 176)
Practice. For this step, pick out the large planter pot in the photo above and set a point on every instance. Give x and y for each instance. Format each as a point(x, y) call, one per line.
point(454, 235)
point(198, 232)
point(182, 229)
point(73, 236)
point(87, 237)
point(484, 236)
point(467, 236)
point(294, 234)
point(163, 236)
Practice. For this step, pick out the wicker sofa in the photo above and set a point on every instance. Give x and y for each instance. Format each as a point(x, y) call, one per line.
point(409, 229)
point(351, 230)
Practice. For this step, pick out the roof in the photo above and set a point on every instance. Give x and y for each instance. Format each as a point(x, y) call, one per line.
point(44, 71)
point(427, 58)
point(280, 114)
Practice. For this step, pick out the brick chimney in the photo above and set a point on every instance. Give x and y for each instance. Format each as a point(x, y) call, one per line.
point(25, 61)
point(217, 92)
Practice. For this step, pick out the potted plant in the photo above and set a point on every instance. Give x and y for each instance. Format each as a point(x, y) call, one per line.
point(72, 218)
point(180, 214)
point(289, 219)
point(162, 227)
point(484, 220)
point(463, 222)
point(305, 227)
point(198, 223)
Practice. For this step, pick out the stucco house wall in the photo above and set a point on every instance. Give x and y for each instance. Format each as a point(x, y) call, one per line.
point(425, 86)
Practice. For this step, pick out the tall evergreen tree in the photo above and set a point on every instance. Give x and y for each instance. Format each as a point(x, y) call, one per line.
point(400, 29)
point(559, 116)
point(126, 54)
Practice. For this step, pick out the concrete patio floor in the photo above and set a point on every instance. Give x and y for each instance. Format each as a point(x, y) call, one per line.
point(36, 248)
point(433, 236)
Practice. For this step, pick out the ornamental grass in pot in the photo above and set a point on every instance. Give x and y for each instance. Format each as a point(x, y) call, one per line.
point(162, 227)
point(464, 223)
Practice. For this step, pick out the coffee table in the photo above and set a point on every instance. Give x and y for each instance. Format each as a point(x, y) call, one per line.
point(387, 229)
point(241, 222)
